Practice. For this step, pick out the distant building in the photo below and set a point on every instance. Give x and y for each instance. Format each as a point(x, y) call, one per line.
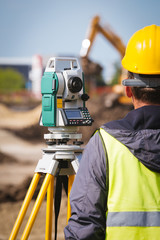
point(35, 75)
point(31, 68)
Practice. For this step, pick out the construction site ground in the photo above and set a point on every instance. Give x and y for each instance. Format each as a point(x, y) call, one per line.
point(21, 141)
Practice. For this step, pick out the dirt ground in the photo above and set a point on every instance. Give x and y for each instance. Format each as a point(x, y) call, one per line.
point(21, 141)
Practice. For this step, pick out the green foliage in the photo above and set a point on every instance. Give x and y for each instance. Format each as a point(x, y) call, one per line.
point(11, 80)
point(117, 73)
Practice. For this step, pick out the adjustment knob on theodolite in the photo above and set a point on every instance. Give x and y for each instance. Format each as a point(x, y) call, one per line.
point(84, 97)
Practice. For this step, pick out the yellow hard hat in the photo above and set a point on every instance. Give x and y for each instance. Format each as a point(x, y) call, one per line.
point(142, 54)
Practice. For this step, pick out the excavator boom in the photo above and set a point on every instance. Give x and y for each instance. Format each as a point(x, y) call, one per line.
point(96, 28)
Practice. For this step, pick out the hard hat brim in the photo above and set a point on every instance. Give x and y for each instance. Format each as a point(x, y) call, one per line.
point(145, 83)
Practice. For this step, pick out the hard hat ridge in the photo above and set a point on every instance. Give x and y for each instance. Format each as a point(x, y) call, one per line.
point(142, 54)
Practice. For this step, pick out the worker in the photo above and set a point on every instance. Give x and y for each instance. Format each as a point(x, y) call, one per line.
point(116, 192)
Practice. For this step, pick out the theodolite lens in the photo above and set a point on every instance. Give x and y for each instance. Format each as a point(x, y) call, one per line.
point(75, 84)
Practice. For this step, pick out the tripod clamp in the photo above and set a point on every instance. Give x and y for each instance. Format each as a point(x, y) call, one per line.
point(59, 157)
point(59, 154)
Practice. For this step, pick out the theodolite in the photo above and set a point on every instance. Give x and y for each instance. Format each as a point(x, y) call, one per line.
point(63, 111)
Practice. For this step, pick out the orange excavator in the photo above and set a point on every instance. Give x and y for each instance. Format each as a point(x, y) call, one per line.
point(117, 43)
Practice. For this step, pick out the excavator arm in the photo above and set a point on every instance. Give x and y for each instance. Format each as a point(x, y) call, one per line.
point(96, 28)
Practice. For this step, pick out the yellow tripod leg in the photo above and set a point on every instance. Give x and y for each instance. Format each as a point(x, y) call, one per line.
point(24, 206)
point(70, 182)
point(36, 207)
point(49, 210)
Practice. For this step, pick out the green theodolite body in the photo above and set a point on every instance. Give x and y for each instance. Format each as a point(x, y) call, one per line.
point(49, 87)
point(63, 94)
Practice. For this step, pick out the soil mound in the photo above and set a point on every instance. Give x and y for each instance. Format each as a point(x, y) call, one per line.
point(18, 120)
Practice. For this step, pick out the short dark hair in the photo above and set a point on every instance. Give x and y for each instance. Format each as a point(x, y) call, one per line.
point(146, 95)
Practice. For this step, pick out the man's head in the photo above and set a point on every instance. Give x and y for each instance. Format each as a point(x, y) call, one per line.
point(142, 60)
point(143, 95)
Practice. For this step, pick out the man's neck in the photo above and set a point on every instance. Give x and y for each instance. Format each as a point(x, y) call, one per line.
point(138, 104)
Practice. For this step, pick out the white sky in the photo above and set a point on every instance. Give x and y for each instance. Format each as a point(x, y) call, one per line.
point(57, 27)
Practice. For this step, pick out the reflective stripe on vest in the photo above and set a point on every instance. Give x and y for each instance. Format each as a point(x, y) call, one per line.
point(130, 219)
point(133, 196)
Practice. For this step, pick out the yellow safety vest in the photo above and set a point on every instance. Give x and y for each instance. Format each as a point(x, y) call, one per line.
point(133, 196)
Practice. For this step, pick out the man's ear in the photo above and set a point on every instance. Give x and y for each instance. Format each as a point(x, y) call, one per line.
point(128, 92)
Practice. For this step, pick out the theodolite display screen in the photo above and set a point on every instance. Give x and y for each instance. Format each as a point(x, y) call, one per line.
point(73, 114)
point(79, 117)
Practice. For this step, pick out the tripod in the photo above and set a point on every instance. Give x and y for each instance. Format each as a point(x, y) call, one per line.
point(59, 159)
